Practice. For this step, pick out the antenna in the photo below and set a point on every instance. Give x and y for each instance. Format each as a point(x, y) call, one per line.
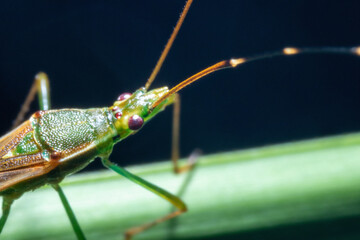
point(168, 45)
point(233, 63)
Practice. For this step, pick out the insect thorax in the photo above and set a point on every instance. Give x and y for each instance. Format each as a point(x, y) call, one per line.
point(68, 131)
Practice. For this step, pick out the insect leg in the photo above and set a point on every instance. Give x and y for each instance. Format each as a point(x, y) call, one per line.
point(40, 86)
point(177, 202)
point(175, 147)
point(74, 223)
point(5, 211)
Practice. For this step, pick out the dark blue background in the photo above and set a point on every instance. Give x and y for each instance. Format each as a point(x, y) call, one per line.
point(95, 50)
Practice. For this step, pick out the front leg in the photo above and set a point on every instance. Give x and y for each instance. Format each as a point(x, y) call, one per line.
point(177, 202)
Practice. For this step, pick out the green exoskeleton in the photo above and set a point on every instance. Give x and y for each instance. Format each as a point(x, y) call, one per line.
point(55, 143)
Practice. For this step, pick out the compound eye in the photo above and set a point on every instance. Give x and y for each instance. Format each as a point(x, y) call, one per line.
point(124, 96)
point(135, 122)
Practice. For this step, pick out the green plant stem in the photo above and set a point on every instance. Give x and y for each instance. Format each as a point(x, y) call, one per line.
point(303, 190)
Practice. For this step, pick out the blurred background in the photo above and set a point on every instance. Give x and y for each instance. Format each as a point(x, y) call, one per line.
point(95, 50)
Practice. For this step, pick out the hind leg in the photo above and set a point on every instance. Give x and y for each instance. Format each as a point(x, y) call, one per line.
point(7, 202)
point(74, 223)
point(41, 87)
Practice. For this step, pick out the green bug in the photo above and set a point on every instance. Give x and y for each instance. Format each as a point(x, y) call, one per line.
point(55, 143)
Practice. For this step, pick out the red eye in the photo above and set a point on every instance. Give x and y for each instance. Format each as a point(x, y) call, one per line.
point(124, 96)
point(118, 115)
point(135, 122)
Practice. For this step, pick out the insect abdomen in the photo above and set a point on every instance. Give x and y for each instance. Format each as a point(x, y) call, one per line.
point(18, 149)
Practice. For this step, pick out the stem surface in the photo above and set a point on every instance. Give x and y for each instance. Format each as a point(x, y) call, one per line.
point(302, 190)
